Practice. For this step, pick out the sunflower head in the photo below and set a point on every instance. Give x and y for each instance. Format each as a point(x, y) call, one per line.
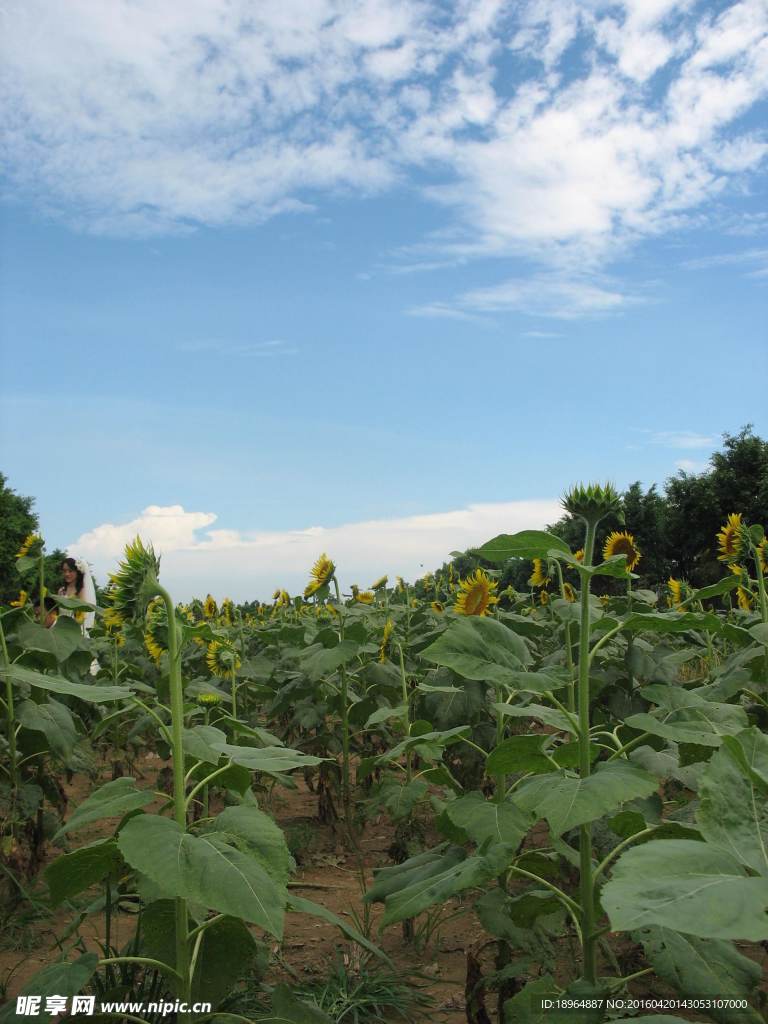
point(592, 502)
point(228, 611)
point(210, 608)
point(399, 584)
point(476, 594)
point(322, 572)
point(156, 630)
point(678, 591)
point(21, 600)
point(745, 599)
point(622, 543)
point(365, 597)
point(730, 540)
point(380, 583)
point(437, 606)
point(222, 659)
point(208, 700)
point(539, 577)
point(135, 582)
point(386, 640)
point(30, 546)
point(569, 593)
point(762, 554)
point(543, 598)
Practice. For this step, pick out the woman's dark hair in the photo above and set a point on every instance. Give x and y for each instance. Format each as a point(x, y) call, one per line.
point(80, 579)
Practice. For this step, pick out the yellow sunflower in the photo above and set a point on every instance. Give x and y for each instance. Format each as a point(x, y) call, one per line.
point(745, 599)
point(386, 640)
point(379, 583)
point(227, 611)
point(762, 554)
point(476, 594)
point(30, 541)
point(622, 543)
point(676, 590)
point(155, 630)
point(21, 600)
point(569, 593)
point(321, 572)
point(209, 608)
point(365, 597)
point(543, 598)
point(538, 577)
point(222, 659)
point(399, 584)
point(436, 606)
point(729, 538)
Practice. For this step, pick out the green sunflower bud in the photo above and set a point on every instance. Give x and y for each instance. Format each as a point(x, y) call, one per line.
point(592, 502)
point(135, 582)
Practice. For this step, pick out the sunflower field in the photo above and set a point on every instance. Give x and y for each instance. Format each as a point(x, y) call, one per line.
point(515, 805)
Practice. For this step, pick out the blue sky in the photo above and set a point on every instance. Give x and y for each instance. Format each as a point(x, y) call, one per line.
point(382, 277)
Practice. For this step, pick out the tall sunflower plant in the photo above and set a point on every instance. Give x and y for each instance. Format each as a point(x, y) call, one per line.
point(200, 887)
point(595, 787)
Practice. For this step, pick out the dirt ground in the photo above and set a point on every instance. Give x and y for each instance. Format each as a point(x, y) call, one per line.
point(328, 873)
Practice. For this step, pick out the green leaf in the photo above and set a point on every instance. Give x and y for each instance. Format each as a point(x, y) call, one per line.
point(205, 870)
point(480, 648)
point(58, 684)
point(399, 798)
point(716, 589)
point(287, 1009)
point(526, 544)
point(62, 639)
point(483, 819)
point(317, 663)
point(550, 716)
point(226, 952)
point(428, 745)
point(112, 800)
point(537, 682)
point(301, 906)
point(263, 838)
point(271, 760)
point(62, 979)
point(521, 753)
point(688, 718)
point(748, 748)
point(733, 810)
point(566, 801)
point(672, 622)
point(689, 887)
point(55, 721)
point(389, 880)
point(73, 872)
point(760, 633)
point(697, 968)
point(385, 714)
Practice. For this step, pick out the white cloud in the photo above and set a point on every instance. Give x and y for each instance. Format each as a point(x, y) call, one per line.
point(197, 559)
point(682, 439)
point(137, 117)
point(690, 466)
point(756, 259)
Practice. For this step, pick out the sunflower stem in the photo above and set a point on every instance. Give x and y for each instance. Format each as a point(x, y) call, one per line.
point(345, 773)
point(10, 721)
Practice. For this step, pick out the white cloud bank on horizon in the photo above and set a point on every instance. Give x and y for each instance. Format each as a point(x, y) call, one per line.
point(251, 564)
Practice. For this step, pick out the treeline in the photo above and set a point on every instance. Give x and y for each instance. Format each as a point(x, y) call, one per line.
point(675, 529)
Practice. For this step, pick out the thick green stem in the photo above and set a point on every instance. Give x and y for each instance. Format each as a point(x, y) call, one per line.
point(568, 646)
point(345, 763)
point(10, 715)
point(41, 574)
point(586, 880)
point(763, 600)
point(406, 716)
point(179, 794)
point(501, 778)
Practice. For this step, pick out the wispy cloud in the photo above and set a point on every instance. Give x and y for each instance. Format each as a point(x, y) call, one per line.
point(273, 347)
point(141, 118)
point(245, 564)
point(690, 466)
point(755, 259)
point(541, 334)
point(682, 439)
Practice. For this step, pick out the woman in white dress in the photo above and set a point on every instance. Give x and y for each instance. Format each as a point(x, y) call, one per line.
point(78, 583)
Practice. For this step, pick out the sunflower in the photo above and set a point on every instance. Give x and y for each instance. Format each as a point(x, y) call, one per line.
point(622, 543)
point(386, 640)
point(113, 626)
point(579, 556)
point(21, 600)
point(676, 590)
point(476, 594)
point(135, 582)
point(321, 572)
point(729, 538)
point(569, 593)
point(281, 598)
point(156, 630)
point(762, 554)
point(227, 611)
point(210, 609)
point(437, 606)
point(745, 599)
point(592, 502)
point(30, 541)
point(380, 583)
point(222, 659)
point(399, 584)
point(208, 699)
point(364, 596)
point(543, 598)
point(538, 577)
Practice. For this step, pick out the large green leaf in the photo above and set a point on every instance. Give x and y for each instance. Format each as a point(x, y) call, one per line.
point(697, 968)
point(480, 648)
point(257, 832)
point(689, 887)
point(73, 872)
point(521, 753)
point(566, 800)
point(688, 718)
point(58, 684)
point(322, 661)
point(733, 809)
point(716, 589)
point(446, 876)
point(673, 622)
point(483, 819)
point(204, 869)
point(62, 979)
point(112, 800)
point(226, 952)
point(428, 745)
point(538, 682)
point(550, 716)
point(526, 544)
point(55, 721)
point(750, 750)
point(271, 760)
point(62, 639)
point(287, 1009)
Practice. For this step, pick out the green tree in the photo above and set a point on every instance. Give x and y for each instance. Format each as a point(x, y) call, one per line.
point(17, 520)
